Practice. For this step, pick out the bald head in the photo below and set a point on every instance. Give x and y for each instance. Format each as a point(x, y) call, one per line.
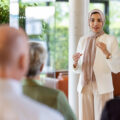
point(13, 42)
point(14, 52)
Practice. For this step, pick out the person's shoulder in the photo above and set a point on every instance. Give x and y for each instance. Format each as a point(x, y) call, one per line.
point(49, 91)
point(115, 100)
point(83, 37)
point(39, 110)
point(82, 40)
point(113, 104)
point(108, 36)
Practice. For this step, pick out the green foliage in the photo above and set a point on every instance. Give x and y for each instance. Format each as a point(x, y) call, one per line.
point(62, 48)
point(4, 11)
point(115, 19)
point(61, 36)
point(59, 48)
point(106, 26)
point(22, 19)
point(22, 7)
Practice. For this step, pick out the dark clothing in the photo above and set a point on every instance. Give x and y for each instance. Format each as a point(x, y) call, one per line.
point(111, 110)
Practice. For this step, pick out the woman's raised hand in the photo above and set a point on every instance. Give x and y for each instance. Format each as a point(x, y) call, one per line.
point(103, 47)
point(76, 57)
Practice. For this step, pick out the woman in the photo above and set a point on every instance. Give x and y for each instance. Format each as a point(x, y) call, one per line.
point(97, 56)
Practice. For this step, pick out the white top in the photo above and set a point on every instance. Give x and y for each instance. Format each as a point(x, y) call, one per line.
point(102, 66)
point(51, 82)
point(15, 106)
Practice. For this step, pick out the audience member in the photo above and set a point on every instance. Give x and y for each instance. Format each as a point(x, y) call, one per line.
point(13, 66)
point(111, 110)
point(51, 97)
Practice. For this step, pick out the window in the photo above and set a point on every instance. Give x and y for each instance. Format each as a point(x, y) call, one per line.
point(49, 27)
point(115, 18)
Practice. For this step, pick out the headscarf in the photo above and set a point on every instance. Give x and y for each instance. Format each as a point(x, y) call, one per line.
point(90, 51)
point(98, 11)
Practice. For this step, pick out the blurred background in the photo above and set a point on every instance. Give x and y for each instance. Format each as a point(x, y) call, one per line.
point(47, 21)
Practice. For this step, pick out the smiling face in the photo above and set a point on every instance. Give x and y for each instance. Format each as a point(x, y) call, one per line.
point(96, 22)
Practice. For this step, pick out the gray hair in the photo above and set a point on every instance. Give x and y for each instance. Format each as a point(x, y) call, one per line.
point(37, 56)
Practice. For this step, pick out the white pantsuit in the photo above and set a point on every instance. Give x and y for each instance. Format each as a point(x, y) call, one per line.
point(91, 102)
point(94, 95)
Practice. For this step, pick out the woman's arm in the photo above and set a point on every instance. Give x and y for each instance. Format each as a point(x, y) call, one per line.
point(113, 56)
point(77, 57)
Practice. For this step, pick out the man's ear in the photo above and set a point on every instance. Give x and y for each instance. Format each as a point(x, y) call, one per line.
point(41, 68)
point(21, 62)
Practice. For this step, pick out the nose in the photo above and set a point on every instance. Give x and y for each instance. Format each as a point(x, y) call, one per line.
point(95, 23)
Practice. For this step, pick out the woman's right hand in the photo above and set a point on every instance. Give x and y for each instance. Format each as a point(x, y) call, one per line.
point(76, 57)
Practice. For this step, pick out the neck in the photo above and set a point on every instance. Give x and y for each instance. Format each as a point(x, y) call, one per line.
point(96, 34)
point(7, 73)
point(37, 77)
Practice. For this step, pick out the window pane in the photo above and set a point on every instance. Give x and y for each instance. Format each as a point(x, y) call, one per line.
point(14, 13)
point(38, 21)
point(62, 23)
point(96, 5)
point(33, 19)
point(115, 19)
point(33, 1)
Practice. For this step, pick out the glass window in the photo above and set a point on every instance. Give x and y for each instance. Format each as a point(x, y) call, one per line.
point(115, 19)
point(14, 13)
point(61, 28)
point(34, 1)
point(49, 27)
point(44, 21)
point(38, 21)
point(97, 5)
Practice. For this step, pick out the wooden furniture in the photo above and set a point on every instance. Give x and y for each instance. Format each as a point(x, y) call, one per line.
point(116, 84)
point(63, 82)
point(62, 77)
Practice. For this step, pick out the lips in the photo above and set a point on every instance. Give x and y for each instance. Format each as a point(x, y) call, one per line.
point(95, 27)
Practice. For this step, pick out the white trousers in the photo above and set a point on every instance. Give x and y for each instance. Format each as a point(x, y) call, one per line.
point(91, 102)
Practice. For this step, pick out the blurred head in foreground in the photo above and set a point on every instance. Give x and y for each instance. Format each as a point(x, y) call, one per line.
point(14, 53)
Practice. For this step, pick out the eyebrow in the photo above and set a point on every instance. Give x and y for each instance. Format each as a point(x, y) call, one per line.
point(97, 18)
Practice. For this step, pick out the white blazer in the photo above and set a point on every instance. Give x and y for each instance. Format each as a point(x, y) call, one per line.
point(102, 66)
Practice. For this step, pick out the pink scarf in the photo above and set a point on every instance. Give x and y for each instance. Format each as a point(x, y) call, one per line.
point(89, 55)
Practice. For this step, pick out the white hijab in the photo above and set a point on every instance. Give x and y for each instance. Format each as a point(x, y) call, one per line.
point(91, 33)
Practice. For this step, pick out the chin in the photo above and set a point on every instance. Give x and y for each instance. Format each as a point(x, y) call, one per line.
point(96, 31)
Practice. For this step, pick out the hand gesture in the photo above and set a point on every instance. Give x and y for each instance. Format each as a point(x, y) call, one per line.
point(76, 57)
point(103, 47)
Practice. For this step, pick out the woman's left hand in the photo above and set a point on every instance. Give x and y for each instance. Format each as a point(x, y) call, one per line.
point(103, 47)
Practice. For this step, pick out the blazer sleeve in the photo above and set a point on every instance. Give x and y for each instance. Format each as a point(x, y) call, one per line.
point(114, 61)
point(80, 50)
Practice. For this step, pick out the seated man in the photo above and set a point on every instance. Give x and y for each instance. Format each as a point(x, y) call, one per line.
point(111, 110)
point(13, 66)
point(51, 97)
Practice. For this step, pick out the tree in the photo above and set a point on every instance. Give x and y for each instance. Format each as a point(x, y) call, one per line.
point(4, 11)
